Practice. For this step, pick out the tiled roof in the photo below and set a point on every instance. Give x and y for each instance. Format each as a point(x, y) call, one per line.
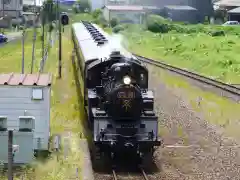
point(26, 79)
point(236, 10)
point(125, 8)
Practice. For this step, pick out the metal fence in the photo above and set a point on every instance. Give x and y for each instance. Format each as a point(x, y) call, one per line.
point(50, 43)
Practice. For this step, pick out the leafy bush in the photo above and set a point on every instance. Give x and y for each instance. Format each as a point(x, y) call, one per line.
point(113, 22)
point(157, 24)
point(118, 28)
point(217, 33)
point(101, 21)
point(96, 13)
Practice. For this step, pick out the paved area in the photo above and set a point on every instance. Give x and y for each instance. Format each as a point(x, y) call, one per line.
point(12, 36)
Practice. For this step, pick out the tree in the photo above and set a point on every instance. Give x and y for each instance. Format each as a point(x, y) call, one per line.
point(49, 10)
point(96, 13)
point(81, 6)
point(113, 22)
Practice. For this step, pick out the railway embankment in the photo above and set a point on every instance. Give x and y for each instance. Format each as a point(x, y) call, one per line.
point(199, 126)
point(217, 108)
point(194, 48)
point(209, 50)
point(195, 147)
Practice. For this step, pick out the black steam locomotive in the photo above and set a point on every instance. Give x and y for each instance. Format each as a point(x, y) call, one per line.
point(119, 106)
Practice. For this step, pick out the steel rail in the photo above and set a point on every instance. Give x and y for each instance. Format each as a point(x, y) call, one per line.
point(223, 86)
point(144, 174)
point(114, 174)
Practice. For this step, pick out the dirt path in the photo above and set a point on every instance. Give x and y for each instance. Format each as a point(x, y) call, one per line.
point(216, 157)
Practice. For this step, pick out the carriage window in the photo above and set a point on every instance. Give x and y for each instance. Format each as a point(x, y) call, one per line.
point(142, 77)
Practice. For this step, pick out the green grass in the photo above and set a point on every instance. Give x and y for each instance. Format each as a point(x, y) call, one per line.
point(65, 115)
point(217, 110)
point(216, 57)
point(81, 16)
point(11, 55)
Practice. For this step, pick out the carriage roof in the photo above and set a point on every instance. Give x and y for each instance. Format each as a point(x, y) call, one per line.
point(89, 48)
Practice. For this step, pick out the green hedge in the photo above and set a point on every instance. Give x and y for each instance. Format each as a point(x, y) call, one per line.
point(118, 28)
point(158, 24)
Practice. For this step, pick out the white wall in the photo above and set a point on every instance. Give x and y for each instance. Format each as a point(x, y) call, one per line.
point(97, 4)
point(106, 14)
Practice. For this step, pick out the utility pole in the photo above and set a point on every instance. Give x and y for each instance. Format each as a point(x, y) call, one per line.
point(3, 14)
point(34, 37)
point(43, 29)
point(60, 42)
point(10, 154)
point(23, 43)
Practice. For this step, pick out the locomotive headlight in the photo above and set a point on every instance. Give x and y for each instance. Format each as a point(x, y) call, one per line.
point(127, 80)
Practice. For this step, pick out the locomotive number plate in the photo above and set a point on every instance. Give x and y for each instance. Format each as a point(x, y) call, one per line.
point(127, 126)
point(126, 95)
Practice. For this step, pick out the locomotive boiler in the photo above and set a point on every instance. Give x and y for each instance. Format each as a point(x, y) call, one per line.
point(119, 105)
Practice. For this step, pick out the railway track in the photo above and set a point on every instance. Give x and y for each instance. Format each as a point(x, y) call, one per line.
point(142, 176)
point(220, 85)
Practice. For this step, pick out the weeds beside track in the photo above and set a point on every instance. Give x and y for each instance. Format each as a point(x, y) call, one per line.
point(206, 80)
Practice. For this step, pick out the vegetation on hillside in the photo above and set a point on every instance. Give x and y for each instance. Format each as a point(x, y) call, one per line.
point(11, 54)
point(158, 24)
point(207, 49)
point(216, 57)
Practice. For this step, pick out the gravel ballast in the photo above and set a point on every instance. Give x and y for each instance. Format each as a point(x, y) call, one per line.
point(211, 156)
